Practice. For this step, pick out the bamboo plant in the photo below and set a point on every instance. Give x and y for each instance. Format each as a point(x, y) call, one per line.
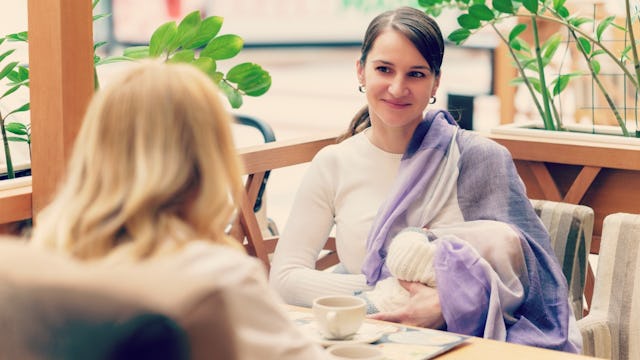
point(194, 40)
point(585, 33)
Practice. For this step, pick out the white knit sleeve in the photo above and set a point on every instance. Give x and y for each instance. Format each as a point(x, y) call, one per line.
point(311, 219)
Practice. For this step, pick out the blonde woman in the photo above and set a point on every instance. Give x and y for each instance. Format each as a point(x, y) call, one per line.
point(154, 174)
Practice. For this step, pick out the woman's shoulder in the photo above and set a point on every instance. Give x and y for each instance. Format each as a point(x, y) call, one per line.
point(475, 145)
point(202, 257)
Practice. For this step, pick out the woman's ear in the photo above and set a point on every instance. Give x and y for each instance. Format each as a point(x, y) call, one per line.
point(360, 72)
point(436, 84)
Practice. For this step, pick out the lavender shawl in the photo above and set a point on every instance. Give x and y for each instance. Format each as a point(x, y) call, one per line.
point(488, 188)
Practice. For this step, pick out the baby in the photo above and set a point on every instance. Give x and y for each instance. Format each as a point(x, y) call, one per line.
point(411, 254)
point(409, 257)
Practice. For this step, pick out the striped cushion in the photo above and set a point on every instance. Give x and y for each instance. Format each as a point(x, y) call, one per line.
point(570, 228)
point(612, 328)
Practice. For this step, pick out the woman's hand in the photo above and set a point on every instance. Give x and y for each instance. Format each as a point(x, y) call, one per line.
point(423, 309)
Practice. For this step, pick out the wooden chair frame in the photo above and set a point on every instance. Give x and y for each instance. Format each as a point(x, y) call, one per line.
point(258, 160)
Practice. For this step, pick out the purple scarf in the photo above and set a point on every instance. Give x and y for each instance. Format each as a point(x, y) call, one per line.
point(487, 188)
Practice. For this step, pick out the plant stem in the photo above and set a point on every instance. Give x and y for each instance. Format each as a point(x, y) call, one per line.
point(632, 38)
point(548, 121)
point(521, 71)
point(587, 36)
point(7, 151)
point(604, 92)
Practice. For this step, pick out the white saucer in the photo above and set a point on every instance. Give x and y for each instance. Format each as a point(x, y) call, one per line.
point(367, 334)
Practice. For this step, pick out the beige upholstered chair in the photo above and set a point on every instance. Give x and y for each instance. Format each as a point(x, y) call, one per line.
point(570, 228)
point(612, 328)
point(55, 308)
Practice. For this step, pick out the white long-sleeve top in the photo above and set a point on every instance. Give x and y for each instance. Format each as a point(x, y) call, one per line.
point(338, 190)
point(344, 186)
point(262, 328)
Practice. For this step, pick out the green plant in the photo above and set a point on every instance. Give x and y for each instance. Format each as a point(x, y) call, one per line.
point(194, 40)
point(18, 76)
point(197, 41)
point(584, 33)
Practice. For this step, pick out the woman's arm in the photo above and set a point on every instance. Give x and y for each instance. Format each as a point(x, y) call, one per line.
point(293, 274)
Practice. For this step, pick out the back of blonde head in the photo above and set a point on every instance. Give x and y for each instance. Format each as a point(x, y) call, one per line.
point(154, 162)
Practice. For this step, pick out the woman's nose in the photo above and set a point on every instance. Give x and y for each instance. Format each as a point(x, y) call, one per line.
point(397, 87)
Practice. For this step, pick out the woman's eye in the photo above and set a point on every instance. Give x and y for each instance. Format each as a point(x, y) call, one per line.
point(417, 74)
point(383, 69)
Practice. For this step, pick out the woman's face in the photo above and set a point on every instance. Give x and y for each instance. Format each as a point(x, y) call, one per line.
point(398, 80)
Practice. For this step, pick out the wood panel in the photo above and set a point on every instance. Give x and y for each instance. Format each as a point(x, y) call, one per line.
point(61, 70)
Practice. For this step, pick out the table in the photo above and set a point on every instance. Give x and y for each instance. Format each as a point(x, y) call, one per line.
point(474, 348)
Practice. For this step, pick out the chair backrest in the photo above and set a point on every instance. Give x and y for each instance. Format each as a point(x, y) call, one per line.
point(55, 308)
point(259, 160)
point(612, 328)
point(570, 228)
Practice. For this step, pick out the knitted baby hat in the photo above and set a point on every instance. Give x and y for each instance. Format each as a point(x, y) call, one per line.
point(410, 256)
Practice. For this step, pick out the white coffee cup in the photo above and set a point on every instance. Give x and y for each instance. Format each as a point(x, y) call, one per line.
point(354, 351)
point(339, 316)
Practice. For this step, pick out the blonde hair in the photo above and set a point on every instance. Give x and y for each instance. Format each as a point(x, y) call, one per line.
point(154, 162)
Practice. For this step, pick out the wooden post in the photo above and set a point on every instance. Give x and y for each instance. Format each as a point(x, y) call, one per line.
point(61, 70)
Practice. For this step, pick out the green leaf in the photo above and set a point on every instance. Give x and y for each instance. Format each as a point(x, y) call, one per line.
point(10, 91)
point(551, 45)
point(595, 65)
point(17, 139)
point(561, 83)
point(531, 5)
point(503, 6)
point(136, 52)
point(223, 47)
point(459, 35)
point(99, 44)
point(251, 78)
point(183, 56)
point(100, 16)
point(94, 3)
point(6, 53)
point(16, 128)
point(188, 27)
point(563, 12)
point(21, 36)
point(517, 30)
point(7, 69)
point(482, 12)
point(207, 65)
point(257, 86)
point(162, 39)
point(602, 26)
point(585, 44)
point(557, 4)
point(579, 21)
point(114, 59)
point(208, 29)
point(22, 108)
point(234, 97)
point(468, 21)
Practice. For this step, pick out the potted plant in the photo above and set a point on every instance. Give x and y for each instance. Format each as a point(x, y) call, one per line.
point(597, 174)
point(194, 40)
point(583, 36)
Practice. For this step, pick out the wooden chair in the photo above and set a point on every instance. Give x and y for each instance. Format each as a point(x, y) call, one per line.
point(570, 228)
point(611, 329)
point(259, 160)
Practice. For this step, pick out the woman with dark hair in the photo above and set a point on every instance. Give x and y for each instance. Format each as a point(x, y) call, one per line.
point(399, 166)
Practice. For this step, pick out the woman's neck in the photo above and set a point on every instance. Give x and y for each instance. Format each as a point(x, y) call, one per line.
point(394, 142)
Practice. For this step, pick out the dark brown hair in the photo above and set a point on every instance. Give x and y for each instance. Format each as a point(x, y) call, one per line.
point(415, 25)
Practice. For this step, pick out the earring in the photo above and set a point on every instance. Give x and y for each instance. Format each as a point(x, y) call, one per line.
point(362, 88)
point(433, 100)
